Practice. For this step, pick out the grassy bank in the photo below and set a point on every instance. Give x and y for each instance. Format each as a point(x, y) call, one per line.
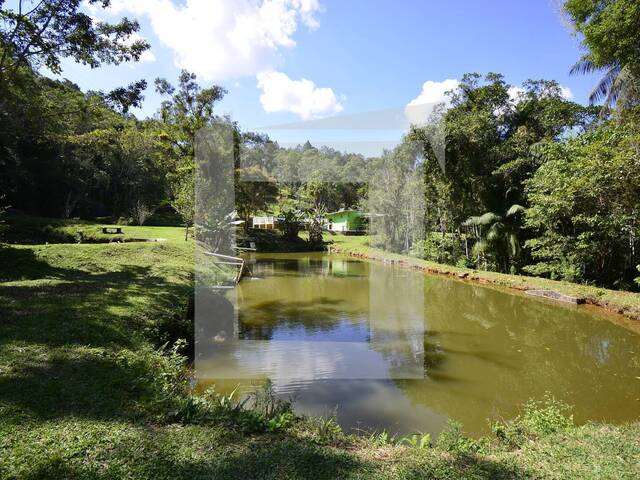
point(620, 302)
point(90, 387)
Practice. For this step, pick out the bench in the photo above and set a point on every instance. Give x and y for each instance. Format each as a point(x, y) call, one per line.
point(112, 230)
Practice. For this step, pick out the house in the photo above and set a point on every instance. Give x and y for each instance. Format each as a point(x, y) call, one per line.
point(265, 223)
point(346, 221)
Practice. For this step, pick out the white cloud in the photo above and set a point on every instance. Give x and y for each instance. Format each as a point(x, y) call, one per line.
point(302, 97)
point(433, 93)
point(566, 92)
point(223, 39)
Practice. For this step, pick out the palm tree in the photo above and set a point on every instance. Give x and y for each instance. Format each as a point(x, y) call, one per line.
point(497, 236)
point(618, 86)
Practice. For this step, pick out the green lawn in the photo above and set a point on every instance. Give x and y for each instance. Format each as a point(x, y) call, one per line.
point(625, 303)
point(87, 391)
point(22, 229)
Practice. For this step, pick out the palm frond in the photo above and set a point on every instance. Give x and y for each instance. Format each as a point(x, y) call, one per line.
point(489, 218)
point(515, 209)
point(514, 244)
point(471, 222)
point(584, 66)
point(627, 89)
point(607, 89)
point(495, 232)
point(479, 247)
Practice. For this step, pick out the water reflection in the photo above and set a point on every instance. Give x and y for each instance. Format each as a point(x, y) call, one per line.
point(395, 349)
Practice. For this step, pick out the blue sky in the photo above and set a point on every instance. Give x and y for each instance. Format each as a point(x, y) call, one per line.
point(355, 55)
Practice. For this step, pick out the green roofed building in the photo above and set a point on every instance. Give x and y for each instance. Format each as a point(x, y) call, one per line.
point(346, 221)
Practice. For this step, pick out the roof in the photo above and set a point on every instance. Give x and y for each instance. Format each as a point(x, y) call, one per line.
point(342, 210)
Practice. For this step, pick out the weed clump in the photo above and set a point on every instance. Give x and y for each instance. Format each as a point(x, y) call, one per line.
point(539, 419)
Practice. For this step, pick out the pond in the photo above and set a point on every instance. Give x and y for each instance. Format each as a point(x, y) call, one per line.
point(389, 348)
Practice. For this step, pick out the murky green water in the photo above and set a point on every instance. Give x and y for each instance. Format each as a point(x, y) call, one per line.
point(391, 348)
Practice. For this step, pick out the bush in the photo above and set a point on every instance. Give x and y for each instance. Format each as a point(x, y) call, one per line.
point(328, 429)
point(452, 440)
point(540, 418)
point(416, 440)
point(176, 328)
point(440, 248)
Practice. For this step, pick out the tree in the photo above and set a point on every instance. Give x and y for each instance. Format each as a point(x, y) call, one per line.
point(141, 212)
point(35, 34)
point(315, 224)
point(611, 35)
point(292, 216)
point(184, 200)
point(3, 209)
point(60, 148)
point(123, 98)
point(254, 192)
point(493, 135)
point(396, 198)
point(188, 110)
point(497, 237)
point(584, 213)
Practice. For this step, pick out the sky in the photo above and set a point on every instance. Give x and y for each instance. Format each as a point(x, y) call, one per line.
point(286, 61)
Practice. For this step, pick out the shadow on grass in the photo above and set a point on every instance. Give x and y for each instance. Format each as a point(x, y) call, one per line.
point(169, 456)
point(461, 466)
point(77, 307)
point(60, 336)
point(90, 386)
point(23, 264)
point(270, 459)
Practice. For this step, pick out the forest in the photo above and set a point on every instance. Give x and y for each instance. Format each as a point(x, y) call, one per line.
point(534, 183)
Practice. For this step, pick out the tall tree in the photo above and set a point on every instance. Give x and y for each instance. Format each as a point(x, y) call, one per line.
point(611, 36)
point(187, 110)
point(37, 33)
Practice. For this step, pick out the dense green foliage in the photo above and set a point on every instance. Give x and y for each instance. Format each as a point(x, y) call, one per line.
point(495, 139)
point(585, 206)
point(610, 30)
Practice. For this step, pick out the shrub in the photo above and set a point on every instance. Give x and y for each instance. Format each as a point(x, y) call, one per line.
point(265, 402)
point(416, 440)
point(328, 429)
point(540, 418)
point(140, 212)
point(381, 439)
point(452, 440)
point(440, 249)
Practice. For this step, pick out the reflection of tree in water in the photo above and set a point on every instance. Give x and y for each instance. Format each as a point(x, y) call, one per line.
point(302, 296)
point(312, 264)
point(494, 351)
point(260, 321)
point(397, 318)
